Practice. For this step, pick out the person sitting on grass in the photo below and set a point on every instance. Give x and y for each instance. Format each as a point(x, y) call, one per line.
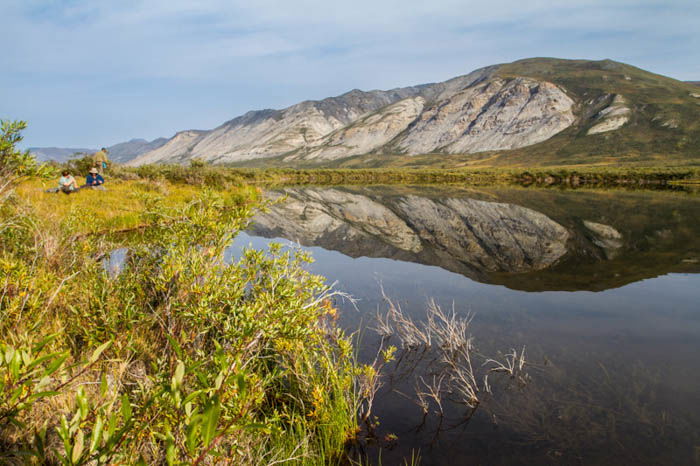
point(66, 184)
point(94, 180)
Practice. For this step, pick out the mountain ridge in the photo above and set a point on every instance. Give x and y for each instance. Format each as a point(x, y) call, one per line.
point(535, 111)
point(120, 153)
point(303, 125)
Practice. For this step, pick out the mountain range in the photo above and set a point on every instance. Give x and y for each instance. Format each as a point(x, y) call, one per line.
point(120, 153)
point(538, 111)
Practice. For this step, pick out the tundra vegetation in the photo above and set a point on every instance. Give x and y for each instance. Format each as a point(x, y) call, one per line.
point(177, 356)
point(199, 173)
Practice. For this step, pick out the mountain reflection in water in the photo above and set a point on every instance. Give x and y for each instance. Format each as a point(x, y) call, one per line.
point(523, 239)
point(615, 373)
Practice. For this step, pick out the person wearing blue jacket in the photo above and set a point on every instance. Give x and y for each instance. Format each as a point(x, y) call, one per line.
point(94, 180)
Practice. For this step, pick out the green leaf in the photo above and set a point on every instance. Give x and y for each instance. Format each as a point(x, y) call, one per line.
point(45, 394)
point(210, 421)
point(96, 431)
point(14, 364)
point(126, 407)
point(98, 351)
point(104, 387)
point(26, 357)
point(39, 346)
point(40, 360)
point(77, 447)
point(112, 427)
point(191, 434)
point(9, 354)
point(192, 396)
point(82, 402)
point(176, 346)
point(55, 364)
point(39, 442)
point(170, 451)
point(241, 384)
point(179, 375)
point(219, 380)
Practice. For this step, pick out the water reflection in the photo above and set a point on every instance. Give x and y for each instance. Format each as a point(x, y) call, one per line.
point(615, 373)
point(532, 240)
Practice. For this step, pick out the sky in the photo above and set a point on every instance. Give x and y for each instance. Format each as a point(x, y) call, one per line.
point(91, 73)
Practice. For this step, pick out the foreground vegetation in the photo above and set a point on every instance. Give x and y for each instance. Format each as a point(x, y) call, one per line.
point(171, 356)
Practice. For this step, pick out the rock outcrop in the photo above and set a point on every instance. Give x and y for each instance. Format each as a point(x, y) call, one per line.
point(611, 117)
point(368, 133)
point(492, 115)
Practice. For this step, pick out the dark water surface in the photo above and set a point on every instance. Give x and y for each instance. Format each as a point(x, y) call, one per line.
point(602, 288)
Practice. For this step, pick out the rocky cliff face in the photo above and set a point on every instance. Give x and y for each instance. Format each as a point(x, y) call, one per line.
point(491, 115)
point(612, 117)
point(368, 133)
point(476, 112)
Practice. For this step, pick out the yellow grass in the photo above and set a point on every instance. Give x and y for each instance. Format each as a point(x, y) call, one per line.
point(119, 207)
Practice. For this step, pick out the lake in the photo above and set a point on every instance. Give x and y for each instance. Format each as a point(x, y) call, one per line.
point(601, 288)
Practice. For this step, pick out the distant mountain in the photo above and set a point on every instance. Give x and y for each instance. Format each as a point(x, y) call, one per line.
point(57, 154)
point(125, 151)
point(119, 153)
point(694, 83)
point(536, 111)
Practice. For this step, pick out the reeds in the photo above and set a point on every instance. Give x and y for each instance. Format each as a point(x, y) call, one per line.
point(446, 338)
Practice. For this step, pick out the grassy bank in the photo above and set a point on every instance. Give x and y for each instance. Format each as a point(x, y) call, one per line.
point(199, 174)
point(174, 356)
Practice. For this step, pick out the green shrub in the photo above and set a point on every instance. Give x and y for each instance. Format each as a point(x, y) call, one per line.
point(178, 357)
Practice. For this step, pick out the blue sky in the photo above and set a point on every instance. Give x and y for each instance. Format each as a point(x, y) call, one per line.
point(89, 73)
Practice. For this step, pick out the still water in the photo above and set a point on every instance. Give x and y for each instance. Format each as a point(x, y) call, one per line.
point(601, 288)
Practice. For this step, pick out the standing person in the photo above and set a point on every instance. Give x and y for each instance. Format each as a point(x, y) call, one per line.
point(66, 184)
point(100, 159)
point(94, 180)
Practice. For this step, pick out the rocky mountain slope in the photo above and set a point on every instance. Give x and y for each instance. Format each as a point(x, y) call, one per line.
point(547, 108)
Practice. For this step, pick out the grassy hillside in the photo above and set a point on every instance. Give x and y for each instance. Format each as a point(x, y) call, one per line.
point(664, 126)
